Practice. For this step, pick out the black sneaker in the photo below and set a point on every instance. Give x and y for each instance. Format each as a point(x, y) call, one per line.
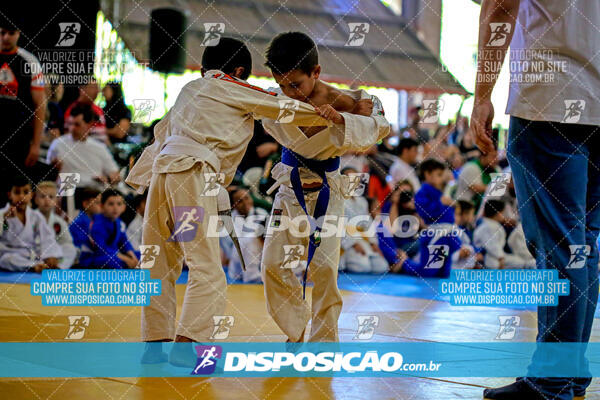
point(518, 390)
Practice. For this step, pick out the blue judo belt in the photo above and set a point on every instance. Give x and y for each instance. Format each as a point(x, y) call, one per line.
point(320, 167)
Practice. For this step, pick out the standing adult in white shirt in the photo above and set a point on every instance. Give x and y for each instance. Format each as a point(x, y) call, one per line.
point(554, 153)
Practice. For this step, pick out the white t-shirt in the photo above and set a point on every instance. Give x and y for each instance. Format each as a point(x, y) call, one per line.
point(400, 170)
point(561, 39)
point(470, 174)
point(89, 158)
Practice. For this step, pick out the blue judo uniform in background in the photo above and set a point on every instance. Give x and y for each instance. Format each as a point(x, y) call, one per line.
point(80, 229)
point(429, 206)
point(107, 238)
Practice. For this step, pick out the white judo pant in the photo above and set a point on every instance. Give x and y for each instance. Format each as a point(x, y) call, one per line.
point(283, 290)
point(205, 294)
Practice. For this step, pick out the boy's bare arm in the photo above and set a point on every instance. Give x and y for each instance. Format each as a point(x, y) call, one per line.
point(362, 107)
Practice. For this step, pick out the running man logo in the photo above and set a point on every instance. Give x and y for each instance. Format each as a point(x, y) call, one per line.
point(212, 33)
point(579, 255)
point(437, 256)
point(223, 324)
point(573, 111)
point(142, 110)
point(500, 31)
point(148, 254)
point(212, 183)
point(358, 33)
point(431, 111)
point(292, 255)
point(68, 33)
point(187, 219)
point(287, 110)
point(366, 326)
point(498, 184)
point(77, 326)
point(67, 183)
point(357, 182)
point(207, 359)
point(508, 326)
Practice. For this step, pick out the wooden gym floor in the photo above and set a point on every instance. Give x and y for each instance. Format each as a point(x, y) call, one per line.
point(23, 319)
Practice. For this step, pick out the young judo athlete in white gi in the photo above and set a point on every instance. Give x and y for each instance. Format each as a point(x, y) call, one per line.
point(205, 133)
point(310, 185)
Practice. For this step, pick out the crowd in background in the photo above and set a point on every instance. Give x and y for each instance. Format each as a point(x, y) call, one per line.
point(427, 195)
point(433, 174)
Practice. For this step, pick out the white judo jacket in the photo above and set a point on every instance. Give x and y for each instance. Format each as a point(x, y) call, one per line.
point(358, 133)
point(212, 122)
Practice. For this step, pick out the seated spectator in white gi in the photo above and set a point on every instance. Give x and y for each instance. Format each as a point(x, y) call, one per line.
point(518, 244)
point(503, 189)
point(249, 224)
point(243, 205)
point(490, 236)
point(46, 200)
point(251, 246)
point(26, 241)
point(361, 253)
point(134, 229)
point(76, 153)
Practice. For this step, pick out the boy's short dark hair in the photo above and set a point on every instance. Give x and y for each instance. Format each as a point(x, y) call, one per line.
point(236, 189)
point(228, 55)
point(292, 50)
point(493, 207)
point(346, 169)
point(464, 206)
point(19, 180)
point(83, 109)
point(406, 144)
point(137, 200)
point(85, 194)
point(430, 165)
point(108, 193)
point(88, 194)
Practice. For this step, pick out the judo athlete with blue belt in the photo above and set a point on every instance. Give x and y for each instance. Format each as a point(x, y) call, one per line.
point(310, 186)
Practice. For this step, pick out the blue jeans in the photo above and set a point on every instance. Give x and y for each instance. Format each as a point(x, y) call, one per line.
point(556, 172)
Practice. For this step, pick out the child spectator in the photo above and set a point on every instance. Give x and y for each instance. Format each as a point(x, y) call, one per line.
point(491, 237)
point(26, 241)
point(475, 176)
point(90, 206)
point(518, 245)
point(249, 224)
point(134, 230)
point(464, 217)
point(430, 203)
point(251, 245)
point(45, 200)
point(108, 246)
point(400, 205)
point(361, 253)
point(442, 245)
